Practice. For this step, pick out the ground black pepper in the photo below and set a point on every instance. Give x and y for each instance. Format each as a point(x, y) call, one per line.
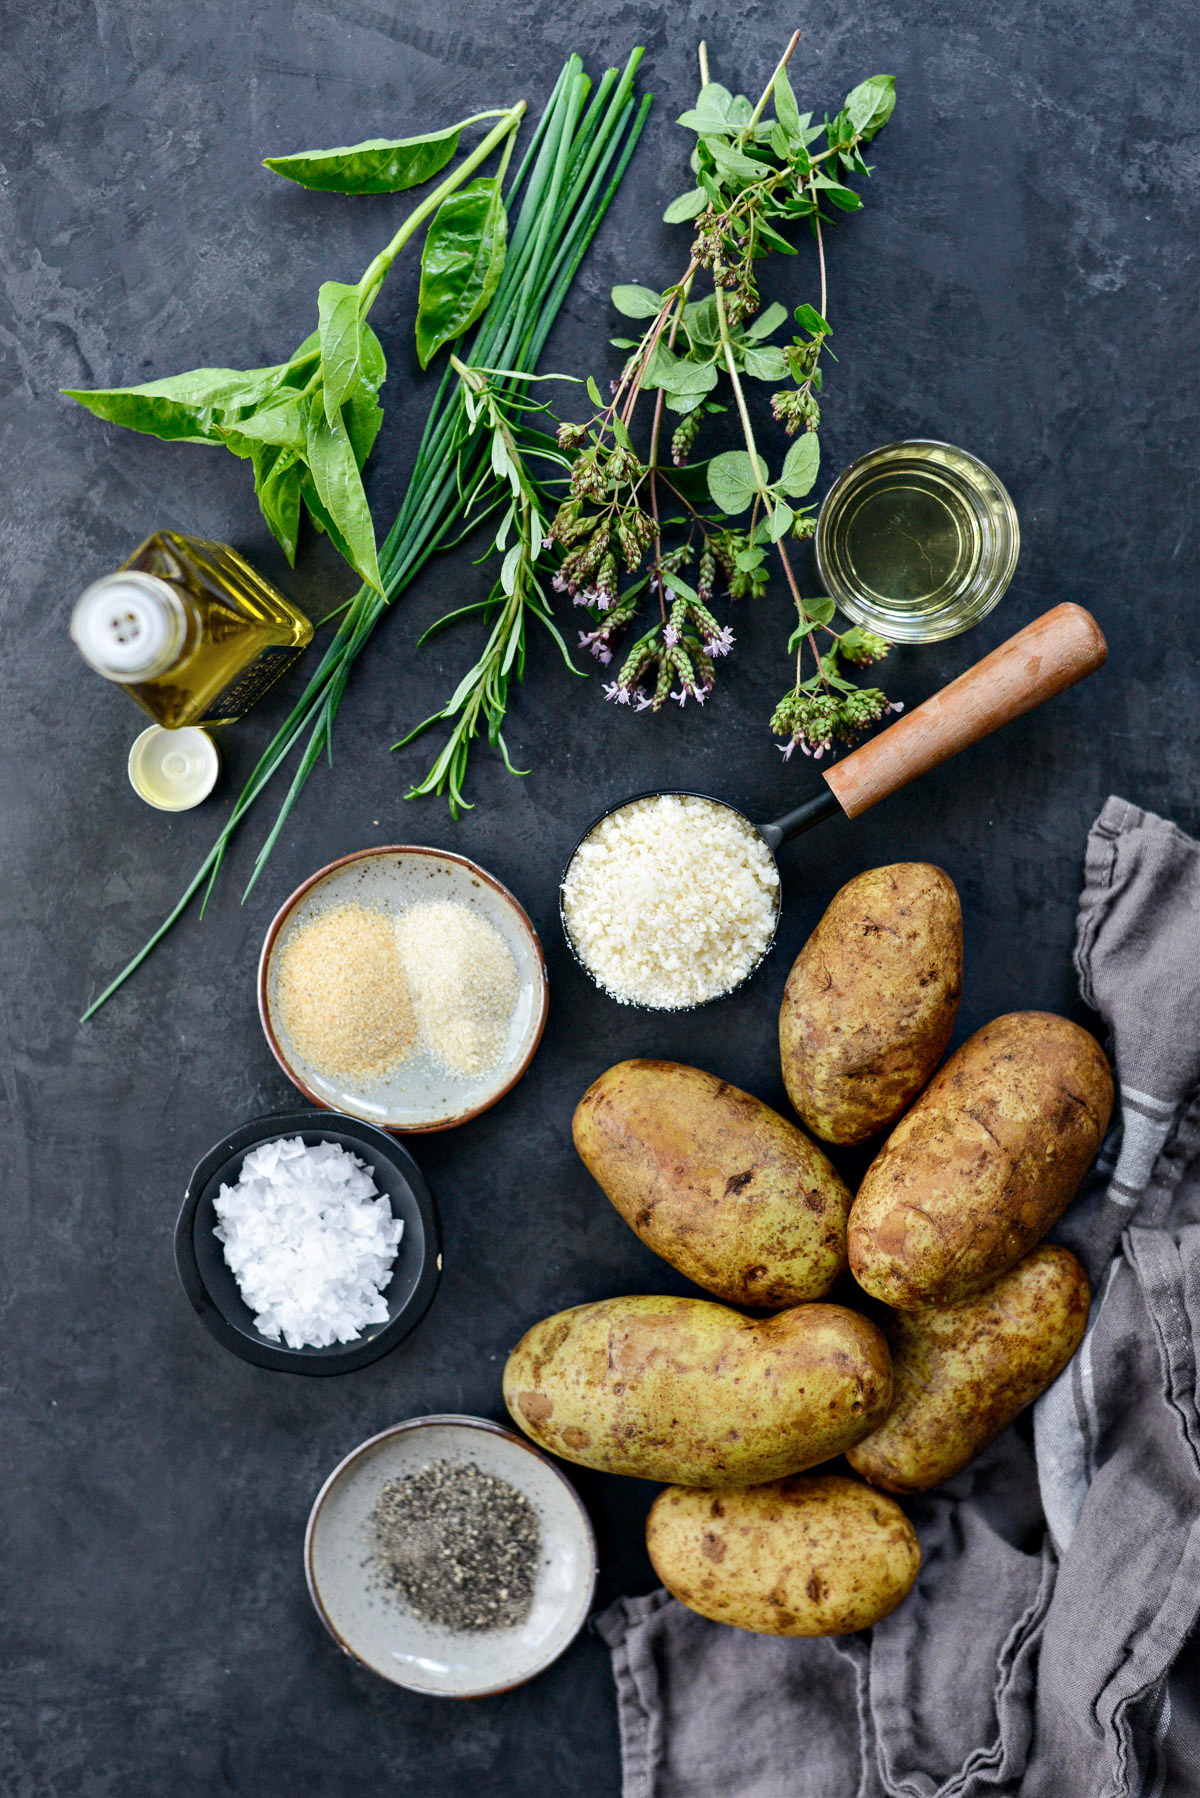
point(459, 1546)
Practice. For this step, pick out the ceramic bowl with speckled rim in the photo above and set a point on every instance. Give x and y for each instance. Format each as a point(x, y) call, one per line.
point(373, 1626)
point(419, 1094)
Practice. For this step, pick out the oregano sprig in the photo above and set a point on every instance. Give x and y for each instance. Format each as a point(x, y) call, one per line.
point(633, 525)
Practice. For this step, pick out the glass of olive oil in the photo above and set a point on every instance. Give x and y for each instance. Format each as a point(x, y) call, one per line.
point(917, 540)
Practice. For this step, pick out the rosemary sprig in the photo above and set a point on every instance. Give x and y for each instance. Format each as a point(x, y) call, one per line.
point(481, 698)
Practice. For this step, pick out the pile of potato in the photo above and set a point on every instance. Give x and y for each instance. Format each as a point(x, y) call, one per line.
point(975, 1319)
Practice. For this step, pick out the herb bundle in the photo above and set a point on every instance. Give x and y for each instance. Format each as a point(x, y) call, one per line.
point(634, 525)
point(559, 196)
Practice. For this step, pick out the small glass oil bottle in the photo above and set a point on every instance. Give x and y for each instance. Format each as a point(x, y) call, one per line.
point(189, 630)
point(917, 540)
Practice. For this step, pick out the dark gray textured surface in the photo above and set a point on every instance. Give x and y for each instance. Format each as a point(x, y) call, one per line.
point(1020, 283)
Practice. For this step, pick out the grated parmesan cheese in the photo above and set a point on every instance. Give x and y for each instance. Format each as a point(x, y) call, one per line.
point(671, 901)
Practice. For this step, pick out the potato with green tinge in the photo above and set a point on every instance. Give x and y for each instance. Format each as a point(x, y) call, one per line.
point(871, 1000)
point(988, 1158)
point(714, 1181)
point(688, 1391)
point(816, 1556)
point(963, 1372)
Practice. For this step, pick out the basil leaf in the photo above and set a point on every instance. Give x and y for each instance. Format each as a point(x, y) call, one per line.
point(786, 110)
point(731, 480)
point(341, 343)
point(278, 489)
point(281, 424)
point(765, 363)
point(637, 302)
point(362, 415)
point(181, 409)
point(461, 264)
point(380, 165)
point(870, 104)
point(687, 206)
point(372, 360)
point(800, 466)
point(844, 198)
point(338, 483)
point(768, 321)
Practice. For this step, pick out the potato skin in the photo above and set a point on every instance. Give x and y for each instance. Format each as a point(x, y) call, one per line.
point(714, 1181)
point(684, 1390)
point(963, 1372)
point(989, 1156)
point(815, 1556)
point(871, 1000)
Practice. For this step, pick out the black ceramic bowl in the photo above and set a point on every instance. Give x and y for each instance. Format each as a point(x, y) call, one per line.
point(213, 1290)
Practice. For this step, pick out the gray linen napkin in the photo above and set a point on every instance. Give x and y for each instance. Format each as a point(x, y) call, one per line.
point(1050, 1647)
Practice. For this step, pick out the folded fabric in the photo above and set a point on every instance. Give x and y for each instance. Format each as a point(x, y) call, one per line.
point(1049, 1648)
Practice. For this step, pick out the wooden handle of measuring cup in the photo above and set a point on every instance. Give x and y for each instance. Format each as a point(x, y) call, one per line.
point(1048, 656)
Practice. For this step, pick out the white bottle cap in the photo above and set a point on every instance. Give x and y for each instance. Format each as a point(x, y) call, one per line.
point(129, 626)
point(173, 770)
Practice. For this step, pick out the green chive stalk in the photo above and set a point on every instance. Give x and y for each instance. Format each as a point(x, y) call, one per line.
point(561, 192)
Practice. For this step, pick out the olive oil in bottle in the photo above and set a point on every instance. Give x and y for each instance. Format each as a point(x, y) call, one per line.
point(917, 540)
point(189, 630)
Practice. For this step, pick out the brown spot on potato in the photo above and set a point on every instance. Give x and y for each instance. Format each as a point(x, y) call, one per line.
point(574, 1437)
point(535, 1406)
point(738, 1182)
point(712, 1547)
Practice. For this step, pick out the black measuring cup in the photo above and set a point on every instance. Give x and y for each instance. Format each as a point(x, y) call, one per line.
point(1058, 649)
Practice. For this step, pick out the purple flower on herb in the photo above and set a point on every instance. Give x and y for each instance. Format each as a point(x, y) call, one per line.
point(720, 643)
point(616, 692)
point(785, 749)
point(644, 701)
point(595, 642)
point(670, 635)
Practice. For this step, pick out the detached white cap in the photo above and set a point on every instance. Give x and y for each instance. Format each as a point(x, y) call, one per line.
point(130, 627)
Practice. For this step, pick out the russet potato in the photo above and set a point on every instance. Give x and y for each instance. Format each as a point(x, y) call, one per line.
point(987, 1159)
point(714, 1181)
point(963, 1372)
point(871, 1000)
point(820, 1555)
point(687, 1391)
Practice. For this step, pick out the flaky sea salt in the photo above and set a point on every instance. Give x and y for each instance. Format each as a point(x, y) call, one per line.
point(309, 1240)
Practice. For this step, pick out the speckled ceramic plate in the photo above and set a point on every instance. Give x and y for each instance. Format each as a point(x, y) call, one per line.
point(420, 1094)
point(372, 1625)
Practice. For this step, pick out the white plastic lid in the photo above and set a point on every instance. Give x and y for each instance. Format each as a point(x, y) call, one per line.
point(129, 626)
point(173, 770)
